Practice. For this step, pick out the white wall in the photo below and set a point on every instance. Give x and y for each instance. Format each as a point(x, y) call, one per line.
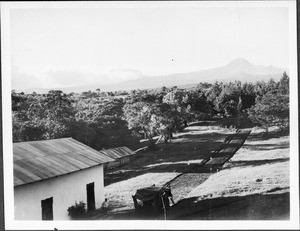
point(65, 190)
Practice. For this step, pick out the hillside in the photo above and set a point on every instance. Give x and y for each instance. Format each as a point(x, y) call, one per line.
point(239, 69)
point(256, 179)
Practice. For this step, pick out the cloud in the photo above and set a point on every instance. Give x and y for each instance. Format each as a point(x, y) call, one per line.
point(120, 75)
point(69, 78)
point(21, 80)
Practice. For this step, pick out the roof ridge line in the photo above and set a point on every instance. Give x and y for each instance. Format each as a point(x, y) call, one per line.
point(32, 141)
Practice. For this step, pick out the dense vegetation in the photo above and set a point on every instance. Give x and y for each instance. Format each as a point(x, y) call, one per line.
point(111, 119)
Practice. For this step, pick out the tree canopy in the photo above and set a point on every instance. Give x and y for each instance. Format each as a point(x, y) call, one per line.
point(110, 119)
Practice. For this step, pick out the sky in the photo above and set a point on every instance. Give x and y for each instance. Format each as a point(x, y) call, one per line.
point(65, 47)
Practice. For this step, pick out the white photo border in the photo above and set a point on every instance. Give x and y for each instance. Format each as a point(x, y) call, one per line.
point(10, 223)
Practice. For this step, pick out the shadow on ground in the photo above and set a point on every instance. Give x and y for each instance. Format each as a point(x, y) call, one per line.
point(172, 153)
point(244, 163)
point(192, 147)
point(251, 207)
point(266, 136)
point(271, 206)
point(266, 147)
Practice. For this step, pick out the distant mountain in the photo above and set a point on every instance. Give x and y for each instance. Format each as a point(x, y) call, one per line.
point(239, 69)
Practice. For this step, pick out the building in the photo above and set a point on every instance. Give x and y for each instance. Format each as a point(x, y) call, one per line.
point(50, 175)
point(121, 156)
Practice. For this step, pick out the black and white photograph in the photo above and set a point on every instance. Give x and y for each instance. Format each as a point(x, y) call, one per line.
point(150, 115)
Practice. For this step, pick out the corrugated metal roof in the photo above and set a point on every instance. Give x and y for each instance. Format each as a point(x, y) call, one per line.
point(40, 160)
point(117, 153)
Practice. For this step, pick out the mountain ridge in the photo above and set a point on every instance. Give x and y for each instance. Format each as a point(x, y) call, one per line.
point(238, 69)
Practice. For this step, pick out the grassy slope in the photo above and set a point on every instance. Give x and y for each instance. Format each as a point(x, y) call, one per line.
point(260, 166)
point(250, 171)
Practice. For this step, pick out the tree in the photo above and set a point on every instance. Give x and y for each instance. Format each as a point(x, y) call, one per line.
point(248, 96)
point(260, 88)
point(88, 117)
point(271, 109)
point(197, 106)
point(271, 85)
point(174, 112)
point(283, 85)
point(227, 101)
point(26, 114)
point(140, 116)
point(165, 111)
point(214, 91)
point(58, 114)
point(37, 116)
point(100, 122)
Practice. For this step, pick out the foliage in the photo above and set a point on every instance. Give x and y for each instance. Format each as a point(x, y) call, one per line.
point(88, 117)
point(273, 107)
point(111, 119)
point(77, 210)
point(283, 85)
point(165, 111)
point(100, 123)
point(197, 106)
point(45, 116)
point(58, 114)
point(141, 117)
point(228, 99)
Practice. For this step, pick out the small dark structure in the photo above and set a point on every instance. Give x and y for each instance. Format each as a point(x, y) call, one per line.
point(121, 156)
point(152, 201)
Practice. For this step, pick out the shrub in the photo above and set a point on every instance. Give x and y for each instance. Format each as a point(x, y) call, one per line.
point(77, 210)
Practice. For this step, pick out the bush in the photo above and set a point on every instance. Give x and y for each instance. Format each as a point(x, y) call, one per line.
point(77, 210)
